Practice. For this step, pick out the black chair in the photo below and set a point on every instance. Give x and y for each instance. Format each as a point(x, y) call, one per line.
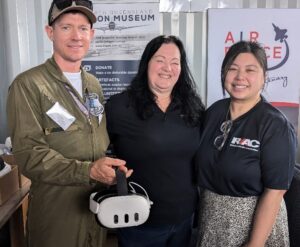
point(292, 200)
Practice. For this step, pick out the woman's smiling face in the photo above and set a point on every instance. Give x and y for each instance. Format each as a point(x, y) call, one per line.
point(245, 78)
point(164, 69)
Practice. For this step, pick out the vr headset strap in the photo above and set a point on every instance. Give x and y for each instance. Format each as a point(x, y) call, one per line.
point(121, 183)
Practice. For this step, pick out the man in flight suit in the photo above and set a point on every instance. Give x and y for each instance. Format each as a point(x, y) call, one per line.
point(58, 130)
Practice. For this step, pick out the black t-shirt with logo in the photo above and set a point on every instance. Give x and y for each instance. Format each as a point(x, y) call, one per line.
point(259, 152)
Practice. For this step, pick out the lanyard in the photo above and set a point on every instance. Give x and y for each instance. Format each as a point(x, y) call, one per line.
point(92, 106)
point(81, 106)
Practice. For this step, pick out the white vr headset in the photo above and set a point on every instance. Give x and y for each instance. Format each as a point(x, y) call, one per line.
point(117, 208)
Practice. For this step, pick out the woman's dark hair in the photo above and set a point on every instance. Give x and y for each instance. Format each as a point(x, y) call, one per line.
point(243, 47)
point(184, 91)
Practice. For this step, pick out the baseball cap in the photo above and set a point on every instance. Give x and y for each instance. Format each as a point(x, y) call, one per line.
point(58, 7)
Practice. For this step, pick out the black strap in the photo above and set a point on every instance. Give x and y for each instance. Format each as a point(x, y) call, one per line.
point(2, 165)
point(121, 183)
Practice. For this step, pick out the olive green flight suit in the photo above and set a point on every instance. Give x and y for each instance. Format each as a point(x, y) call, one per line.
point(57, 161)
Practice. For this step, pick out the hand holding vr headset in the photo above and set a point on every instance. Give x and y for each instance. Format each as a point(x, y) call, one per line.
point(103, 170)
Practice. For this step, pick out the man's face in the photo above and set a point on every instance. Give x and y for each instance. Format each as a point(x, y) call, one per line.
point(71, 35)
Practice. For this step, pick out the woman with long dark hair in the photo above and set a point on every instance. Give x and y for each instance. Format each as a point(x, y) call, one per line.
point(155, 127)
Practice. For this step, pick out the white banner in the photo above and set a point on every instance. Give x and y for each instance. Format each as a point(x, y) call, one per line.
point(122, 31)
point(278, 31)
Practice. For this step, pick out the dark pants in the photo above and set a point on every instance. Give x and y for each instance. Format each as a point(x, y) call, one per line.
point(178, 235)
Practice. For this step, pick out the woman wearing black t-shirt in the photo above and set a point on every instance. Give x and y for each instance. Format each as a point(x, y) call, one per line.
point(245, 160)
point(155, 127)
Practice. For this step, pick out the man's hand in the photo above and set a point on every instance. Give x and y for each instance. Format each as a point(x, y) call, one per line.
point(103, 171)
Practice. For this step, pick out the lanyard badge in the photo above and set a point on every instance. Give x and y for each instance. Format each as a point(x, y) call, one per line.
point(94, 106)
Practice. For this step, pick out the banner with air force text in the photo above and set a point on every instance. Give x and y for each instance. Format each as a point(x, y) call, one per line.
point(278, 31)
point(122, 31)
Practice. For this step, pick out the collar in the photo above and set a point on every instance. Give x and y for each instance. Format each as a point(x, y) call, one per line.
point(57, 73)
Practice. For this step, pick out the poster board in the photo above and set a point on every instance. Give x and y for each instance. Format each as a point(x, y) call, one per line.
point(122, 31)
point(278, 31)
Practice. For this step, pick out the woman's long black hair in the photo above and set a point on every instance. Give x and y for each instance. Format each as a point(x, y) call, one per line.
point(183, 92)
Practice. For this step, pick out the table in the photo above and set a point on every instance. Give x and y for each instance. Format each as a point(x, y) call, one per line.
point(14, 212)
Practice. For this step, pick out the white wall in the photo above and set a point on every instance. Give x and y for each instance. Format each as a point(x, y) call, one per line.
point(23, 44)
point(3, 78)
